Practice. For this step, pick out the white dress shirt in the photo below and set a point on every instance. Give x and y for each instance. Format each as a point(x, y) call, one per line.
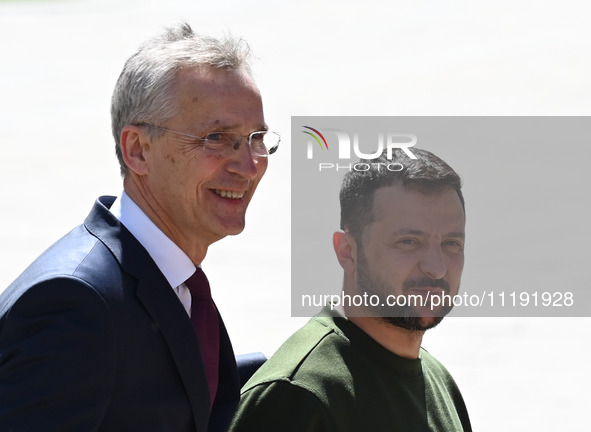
point(174, 264)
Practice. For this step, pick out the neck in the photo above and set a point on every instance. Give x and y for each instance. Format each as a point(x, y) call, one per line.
point(400, 341)
point(195, 250)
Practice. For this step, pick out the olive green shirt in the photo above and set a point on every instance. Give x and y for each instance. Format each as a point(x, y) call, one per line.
point(331, 376)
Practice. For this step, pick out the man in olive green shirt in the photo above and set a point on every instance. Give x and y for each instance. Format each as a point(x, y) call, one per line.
point(363, 368)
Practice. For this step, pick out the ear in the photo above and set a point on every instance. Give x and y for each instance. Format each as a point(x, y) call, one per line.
point(134, 145)
point(345, 247)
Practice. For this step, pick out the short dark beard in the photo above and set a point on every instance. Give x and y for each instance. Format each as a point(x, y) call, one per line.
point(411, 323)
point(400, 316)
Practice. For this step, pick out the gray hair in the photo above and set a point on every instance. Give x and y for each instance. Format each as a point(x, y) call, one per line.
point(144, 92)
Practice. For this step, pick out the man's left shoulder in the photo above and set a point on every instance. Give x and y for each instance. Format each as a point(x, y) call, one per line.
point(428, 360)
point(433, 369)
point(446, 407)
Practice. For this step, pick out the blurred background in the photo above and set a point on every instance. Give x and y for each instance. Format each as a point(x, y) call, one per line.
point(60, 60)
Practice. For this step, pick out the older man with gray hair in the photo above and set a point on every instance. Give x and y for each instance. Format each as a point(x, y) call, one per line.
point(113, 328)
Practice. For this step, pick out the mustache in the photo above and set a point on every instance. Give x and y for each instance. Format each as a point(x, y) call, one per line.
point(426, 282)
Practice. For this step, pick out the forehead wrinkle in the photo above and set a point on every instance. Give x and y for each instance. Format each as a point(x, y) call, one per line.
point(379, 212)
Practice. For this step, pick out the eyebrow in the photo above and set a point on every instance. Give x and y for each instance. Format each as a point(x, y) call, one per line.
point(216, 125)
point(410, 231)
point(457, 234)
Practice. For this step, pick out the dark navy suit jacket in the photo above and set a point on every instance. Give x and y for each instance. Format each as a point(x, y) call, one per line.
point(93, 338)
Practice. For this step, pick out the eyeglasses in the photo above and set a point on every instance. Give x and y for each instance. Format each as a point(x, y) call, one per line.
point(262, 143)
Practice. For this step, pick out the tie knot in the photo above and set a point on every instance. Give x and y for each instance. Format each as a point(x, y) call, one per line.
point(199, 285)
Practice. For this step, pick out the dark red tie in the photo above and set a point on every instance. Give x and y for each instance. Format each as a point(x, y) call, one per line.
point(204, 316)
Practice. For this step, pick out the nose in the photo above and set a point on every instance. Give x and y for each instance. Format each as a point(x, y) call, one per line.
point(243, 162)
point(433, 263)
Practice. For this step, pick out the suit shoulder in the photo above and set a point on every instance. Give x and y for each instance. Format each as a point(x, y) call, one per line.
point(59, 292)
point(77, 260)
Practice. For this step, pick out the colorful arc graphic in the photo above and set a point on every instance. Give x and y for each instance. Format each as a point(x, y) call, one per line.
point(315, 137)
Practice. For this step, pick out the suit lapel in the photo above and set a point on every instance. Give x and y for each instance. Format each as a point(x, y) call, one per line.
point(159, 300)
point(229, 385)
point(172, 320)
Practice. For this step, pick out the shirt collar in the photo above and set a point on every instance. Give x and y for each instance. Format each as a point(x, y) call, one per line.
point(174, 264)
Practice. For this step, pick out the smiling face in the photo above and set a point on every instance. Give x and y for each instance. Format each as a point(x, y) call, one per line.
point(195, 195)
point(414, 246)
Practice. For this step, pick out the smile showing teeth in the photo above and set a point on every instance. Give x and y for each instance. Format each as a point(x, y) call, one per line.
point(228, 194)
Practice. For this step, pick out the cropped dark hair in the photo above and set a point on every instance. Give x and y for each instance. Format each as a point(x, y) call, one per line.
point(426, 174)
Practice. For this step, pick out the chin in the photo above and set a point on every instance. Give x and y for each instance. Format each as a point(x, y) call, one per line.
point(427, 323)
point(414, 323)
point(231, 230)
point(229, 225)
point(233, 233)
